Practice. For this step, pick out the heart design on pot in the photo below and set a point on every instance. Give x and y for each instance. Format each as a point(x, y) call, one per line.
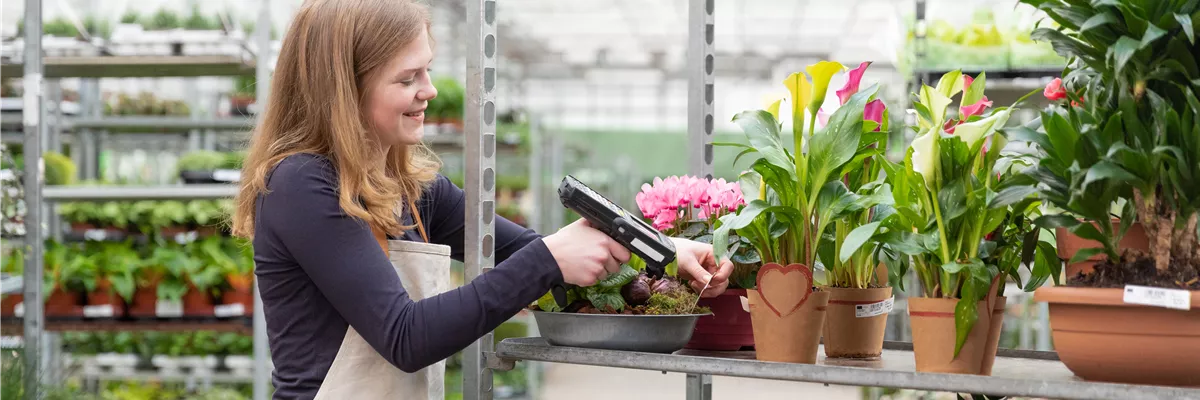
point(784, 289)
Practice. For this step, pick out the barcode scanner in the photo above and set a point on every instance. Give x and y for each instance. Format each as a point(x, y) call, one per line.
point(640, 238)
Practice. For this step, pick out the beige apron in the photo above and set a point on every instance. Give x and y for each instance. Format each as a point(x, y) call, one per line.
point(358, 371)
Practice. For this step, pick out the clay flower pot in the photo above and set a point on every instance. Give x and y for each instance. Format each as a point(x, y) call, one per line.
point(145, 298)
point(994, 330)
point(933, 334)
point(240, 292)
point(8, 305)
point(787, 315)
point(197, 303)
point(849, 331)
point(105, 295)
point(1101, 338)
point(728, 328)
point(63, 303)
point(1069, 244)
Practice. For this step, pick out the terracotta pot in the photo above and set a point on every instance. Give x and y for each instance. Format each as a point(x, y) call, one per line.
point(994, 330)
point(8, 305)
point(787, 315)
point(206, 231)
point(82, 226)
point(243, 297)
point(933, 335)
point(728, 329)
point(1069, 244)
point(145, 297)
point(197, 303)
point(1101, 338)
point(62, 303)
point(169, 232)
point(846, 334)
point(100, 298)
point(240, 283)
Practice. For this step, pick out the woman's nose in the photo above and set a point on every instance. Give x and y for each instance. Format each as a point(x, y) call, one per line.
point(428, 92)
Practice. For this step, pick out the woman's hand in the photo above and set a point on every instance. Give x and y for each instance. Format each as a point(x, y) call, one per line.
point(697, 262)
point(584, 254)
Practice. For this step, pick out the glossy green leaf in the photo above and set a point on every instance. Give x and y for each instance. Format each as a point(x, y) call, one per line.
point(1185, 23)
point(1012, 195)
point(856, 239)
point(1153, 33)
point(837, 143)
point(1107, 170)
point(1123, 50)
point(1084, 254)
point(1097, 20)
point(974, 93)
point(966, 313)
point(763, 132)
point(750, 183)
point(950, 83)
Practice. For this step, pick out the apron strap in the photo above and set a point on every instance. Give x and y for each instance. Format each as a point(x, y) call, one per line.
point(381, 237)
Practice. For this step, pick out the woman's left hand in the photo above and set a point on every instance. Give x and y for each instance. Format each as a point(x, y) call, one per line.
point(698, 264)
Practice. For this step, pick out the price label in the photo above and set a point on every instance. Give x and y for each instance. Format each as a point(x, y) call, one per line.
point(99, 311)
point(229, 310)
point(1158, 297)
point(95, 234)
point(745, 303)
point(19, 310)
point(874, 309)
point(168, 309)
point(186, 237)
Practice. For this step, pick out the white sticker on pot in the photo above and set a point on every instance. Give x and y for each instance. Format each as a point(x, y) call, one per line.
point(1158, 297)
point(99, 311)
point(168, 309)
point(229, 310)
point(95, 235)
point(874, 309)
point(19, 310)
point(745, 303)
point(227, 175)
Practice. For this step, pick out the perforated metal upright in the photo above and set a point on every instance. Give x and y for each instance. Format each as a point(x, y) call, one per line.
point(480, 124)
point(31, 113)
point(700, 65)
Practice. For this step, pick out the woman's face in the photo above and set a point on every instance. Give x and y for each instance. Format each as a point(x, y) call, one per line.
point(400, 93)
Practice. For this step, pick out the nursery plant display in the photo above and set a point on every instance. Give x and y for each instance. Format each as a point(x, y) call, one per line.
point(689, 207)
point(964, 238)
point(795, 197)
point(1119, 150)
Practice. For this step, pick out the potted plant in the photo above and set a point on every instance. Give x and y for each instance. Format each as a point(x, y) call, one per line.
point(949, 221)
point(451, 106)
point(63, 283)
point(793, 198)
point(14, 264)
point(1122, 138)
point(161, 284)
point(108, 270)
point(206, 167)
point(235, 259)
point(202, 278)
point(688, 207)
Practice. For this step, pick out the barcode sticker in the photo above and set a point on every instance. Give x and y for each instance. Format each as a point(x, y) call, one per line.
point(19, 310)
point(874, 309)
point(227, 175)
point(745, 303)
point(1158, 297)
point(99, 311)
point(168, 309)
point(95, 234)
point(186, 237)
point(229, 310)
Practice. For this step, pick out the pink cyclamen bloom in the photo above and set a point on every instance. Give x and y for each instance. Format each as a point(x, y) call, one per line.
point(1054, 90)
point(874, 112)
point(852, 82)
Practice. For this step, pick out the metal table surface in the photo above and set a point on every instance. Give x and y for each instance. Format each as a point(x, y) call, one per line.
point(1015, 373)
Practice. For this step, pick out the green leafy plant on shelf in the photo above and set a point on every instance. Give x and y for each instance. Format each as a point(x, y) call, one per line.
point(1122, 133)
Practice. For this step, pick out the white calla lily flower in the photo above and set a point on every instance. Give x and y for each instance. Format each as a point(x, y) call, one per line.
point(925, 155)
point(973, 132)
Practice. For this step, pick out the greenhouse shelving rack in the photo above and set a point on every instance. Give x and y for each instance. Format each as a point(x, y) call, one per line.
point(235, 324)
point(39, 70)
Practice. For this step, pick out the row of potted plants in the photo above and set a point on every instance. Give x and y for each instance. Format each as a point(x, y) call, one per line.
point(208, 277)
point(167, 218)
point(1116, 152)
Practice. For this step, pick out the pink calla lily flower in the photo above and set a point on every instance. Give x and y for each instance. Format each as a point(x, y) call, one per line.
point(852, 82)
point(975, 109)
point(874, 112)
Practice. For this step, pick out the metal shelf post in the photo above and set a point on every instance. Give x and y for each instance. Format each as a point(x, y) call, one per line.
point(700, 65)
point(32, 112)
point(480, 174)
point(262, 372)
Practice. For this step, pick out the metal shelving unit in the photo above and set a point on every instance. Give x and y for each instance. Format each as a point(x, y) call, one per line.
point(37, 69)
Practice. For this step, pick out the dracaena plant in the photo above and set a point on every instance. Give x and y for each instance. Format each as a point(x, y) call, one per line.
point(1121, 138)
point(795, 195)
point(960, 244)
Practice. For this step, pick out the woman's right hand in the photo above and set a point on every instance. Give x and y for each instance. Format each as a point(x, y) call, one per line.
point(585, 255)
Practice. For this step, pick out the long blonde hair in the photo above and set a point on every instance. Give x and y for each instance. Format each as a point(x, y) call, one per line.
point(331, 51)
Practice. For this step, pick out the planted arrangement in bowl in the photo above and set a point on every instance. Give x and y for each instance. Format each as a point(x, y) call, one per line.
point(794, 197)
point(963, 241)
point(1122, 139)
point(689, 207)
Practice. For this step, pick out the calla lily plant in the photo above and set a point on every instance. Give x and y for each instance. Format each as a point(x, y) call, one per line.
point(795, 196)
point(961, 246)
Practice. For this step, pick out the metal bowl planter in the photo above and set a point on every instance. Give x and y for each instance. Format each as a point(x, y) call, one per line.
point(640, 333)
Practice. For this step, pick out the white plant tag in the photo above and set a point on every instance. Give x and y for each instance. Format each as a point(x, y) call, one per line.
point(186, 237)
point(874, 309)
point(95, 234)
point(19, 310)
point(745, 303)
point(227, 175)
point(229, 310)
point(168, 309)
point(1158, 297)
point(99, 311)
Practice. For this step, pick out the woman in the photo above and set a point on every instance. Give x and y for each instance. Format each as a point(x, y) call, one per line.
point(336, 171)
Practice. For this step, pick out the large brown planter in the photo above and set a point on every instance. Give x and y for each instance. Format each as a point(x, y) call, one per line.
point(1069, 244)
point(1101, 338)
point(729, 327)
point(787, 314)
point(933, 334)
point(849, 332)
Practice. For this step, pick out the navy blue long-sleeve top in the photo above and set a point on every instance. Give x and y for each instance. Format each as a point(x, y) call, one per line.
point(321, 271)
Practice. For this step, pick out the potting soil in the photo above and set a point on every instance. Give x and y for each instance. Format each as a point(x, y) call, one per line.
point(1135, 268)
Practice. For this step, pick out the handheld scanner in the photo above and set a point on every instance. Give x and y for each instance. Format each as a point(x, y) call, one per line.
point(627, 229)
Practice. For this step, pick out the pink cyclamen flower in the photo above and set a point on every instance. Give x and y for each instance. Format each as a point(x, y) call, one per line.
point(874, 112)
point(852, 82)
point(1054, 90)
